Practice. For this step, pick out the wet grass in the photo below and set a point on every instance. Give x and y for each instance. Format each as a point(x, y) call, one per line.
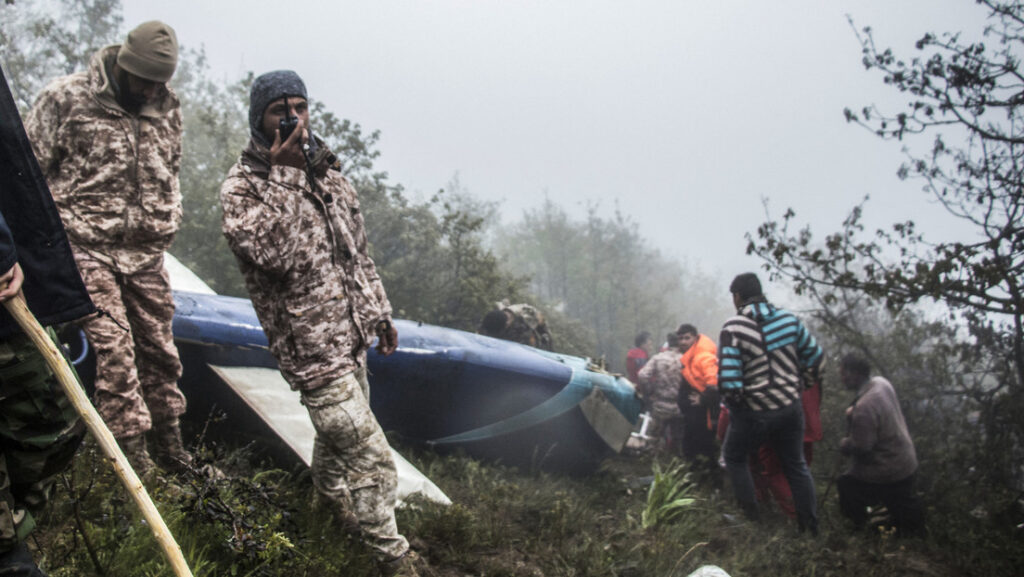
point(505, 522)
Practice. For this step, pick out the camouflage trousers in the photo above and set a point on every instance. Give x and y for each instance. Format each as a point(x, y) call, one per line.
point(352, 464)
point(667, 431)
point(137, 365)
point(39, 434)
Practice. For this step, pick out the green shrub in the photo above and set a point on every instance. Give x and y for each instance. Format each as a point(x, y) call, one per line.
point(670, 495)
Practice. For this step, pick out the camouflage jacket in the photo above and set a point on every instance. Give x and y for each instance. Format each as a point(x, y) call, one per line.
point(304, 257)
point(660, 381)
point(113, 175)
point(527, 327)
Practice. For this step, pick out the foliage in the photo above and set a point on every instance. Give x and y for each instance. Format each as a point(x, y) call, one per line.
point(604, 273)
point(942, 386)
point(250, 514)
point(940, 383)
point(504, 522)
point(600, 283)
point(972, 90)
point(42, 40)
point(572, 336)
point(669, 496)
point(216, 129)
point(432, 254)
point(257, 522)
point(429, 254)
point(967, 95)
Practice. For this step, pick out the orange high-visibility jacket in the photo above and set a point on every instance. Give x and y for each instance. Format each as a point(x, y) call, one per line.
point(700, 364)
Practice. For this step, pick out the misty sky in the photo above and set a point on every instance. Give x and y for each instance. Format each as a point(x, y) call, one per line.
point(684, 114)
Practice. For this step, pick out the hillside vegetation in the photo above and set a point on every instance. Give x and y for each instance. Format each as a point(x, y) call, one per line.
point(504, 522)
point(941, 318)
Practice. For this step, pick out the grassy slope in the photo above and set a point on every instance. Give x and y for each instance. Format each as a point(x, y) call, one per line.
point(504, 523)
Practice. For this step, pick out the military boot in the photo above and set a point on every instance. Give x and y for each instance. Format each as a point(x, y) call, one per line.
point(168, 449)
point(134, 448)
point(404, 566)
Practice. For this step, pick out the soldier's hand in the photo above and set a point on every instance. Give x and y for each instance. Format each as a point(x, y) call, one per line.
point(289, 152)
point(387, 340)
point(10, 282)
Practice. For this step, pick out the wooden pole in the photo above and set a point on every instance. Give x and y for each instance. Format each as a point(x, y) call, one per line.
point(19, 310)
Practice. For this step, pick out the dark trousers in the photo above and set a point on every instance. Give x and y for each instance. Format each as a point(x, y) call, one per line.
point(782, 430)
point(18, 562)
point(855, 496)
point(668, 430)
point(698, 440)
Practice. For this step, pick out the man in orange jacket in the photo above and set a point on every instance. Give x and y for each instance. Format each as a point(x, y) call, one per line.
point(698, 398)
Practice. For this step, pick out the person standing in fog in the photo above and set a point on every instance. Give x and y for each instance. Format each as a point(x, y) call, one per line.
point(294, 224)
point(883, 459)
point(637, 356)
point(109, 142)
point(766, 359)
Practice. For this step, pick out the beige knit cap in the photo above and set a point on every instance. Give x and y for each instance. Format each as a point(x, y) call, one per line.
point(150, 52)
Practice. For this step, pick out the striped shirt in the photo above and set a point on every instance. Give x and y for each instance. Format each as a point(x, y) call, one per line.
point(763, 354)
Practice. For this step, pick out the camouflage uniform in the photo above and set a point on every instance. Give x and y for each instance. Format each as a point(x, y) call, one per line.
point(114, 177)
point(659, 385)
point(660, 381)
point(303, 253)
point(137, 370)
point(39, 433)
point(527, 326)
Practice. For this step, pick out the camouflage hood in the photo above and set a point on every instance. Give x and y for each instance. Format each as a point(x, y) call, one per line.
point(113, 175)
point(105, 88)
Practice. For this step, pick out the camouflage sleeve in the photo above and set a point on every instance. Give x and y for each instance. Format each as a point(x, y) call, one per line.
point(176, 125)
point(42, 125)
point(259, 221)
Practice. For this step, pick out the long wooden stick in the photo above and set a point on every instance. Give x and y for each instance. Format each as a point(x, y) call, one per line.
point(19, 310)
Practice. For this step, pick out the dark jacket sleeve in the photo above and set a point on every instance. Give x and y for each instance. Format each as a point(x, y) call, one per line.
point(8, 254)
point(32, 233)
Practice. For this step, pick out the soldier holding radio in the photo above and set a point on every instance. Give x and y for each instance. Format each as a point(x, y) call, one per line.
point(294, 223)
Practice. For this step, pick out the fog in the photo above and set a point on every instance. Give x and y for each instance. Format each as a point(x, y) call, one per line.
point(686, 116)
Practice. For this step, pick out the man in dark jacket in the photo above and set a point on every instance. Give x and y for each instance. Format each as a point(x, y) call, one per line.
point(39, 429)
point(883, 458)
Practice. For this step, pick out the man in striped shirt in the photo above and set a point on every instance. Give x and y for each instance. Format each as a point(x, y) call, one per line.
point(766, 358)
